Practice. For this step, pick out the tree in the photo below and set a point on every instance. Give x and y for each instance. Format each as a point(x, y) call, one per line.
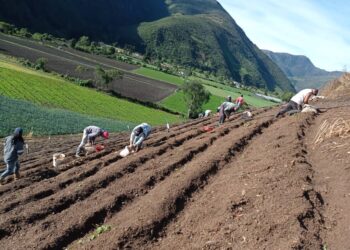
point(40, 64)
point(72, 43)
point(6, 28)
point(83, 41)
point(104, 77)
point(195, 96)
point(23, 32)
point(37, 36)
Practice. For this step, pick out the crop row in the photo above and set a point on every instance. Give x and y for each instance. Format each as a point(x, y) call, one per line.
point(46, 121)
point(53, 92)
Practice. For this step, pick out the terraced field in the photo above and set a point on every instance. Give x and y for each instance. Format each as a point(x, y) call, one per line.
point(65, 61)
point(244, 185)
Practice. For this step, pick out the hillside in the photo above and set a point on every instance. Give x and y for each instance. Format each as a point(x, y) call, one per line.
point(301, 71)
point(197, 34)
point(39, 100)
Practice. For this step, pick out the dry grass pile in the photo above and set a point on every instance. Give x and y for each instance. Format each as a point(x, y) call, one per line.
point(330, 129)
point(337, 88)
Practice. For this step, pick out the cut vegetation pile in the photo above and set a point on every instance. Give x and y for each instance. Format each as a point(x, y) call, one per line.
point(339, 88)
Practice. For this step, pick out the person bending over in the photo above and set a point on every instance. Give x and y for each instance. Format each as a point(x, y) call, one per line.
point(298, 100)
point(138, 135)
point(90, 133)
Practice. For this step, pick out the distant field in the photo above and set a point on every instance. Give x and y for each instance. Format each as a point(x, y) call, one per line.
point(176, 102)
point(46, 90)
point(216, 89)
point(65, 61)
point(248, 97)
point(157, 75)
point(46, 121)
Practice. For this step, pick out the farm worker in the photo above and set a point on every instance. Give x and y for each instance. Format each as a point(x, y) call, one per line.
point(229, 99)
point(138, 135)
point(89, 135)
point(14, 146)
point(298, 100)
point(239, 102)
point(207, 113)
point(226, 109)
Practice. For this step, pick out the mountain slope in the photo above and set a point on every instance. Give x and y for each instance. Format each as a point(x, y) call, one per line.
point(197, 34)
point(301, 71)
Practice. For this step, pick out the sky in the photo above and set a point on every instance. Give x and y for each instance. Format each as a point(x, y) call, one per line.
point(318, 29)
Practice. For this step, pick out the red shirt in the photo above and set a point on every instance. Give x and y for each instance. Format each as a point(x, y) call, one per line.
point(239, 100)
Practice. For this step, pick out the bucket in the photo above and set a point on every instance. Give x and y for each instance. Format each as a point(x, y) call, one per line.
point(57, 159)
point(207, 129)
point(99, 147)
point(125, 152)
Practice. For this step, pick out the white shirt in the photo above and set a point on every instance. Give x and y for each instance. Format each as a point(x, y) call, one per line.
point(299, 98)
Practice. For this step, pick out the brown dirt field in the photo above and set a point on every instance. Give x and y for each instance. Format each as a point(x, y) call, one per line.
point(259, 184)
point(65, 61)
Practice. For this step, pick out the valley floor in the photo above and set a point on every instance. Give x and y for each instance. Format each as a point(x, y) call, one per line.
point(261, 184)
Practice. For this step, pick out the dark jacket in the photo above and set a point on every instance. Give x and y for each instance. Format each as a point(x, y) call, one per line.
point(14, 146)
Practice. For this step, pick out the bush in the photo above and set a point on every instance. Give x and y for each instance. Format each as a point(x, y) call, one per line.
point(195, 96)
point(40, 64)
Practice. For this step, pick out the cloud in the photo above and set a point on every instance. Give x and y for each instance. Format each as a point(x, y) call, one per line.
point(315, 28)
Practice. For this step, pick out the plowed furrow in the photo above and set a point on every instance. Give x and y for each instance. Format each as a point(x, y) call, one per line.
point(170, 197)
point(161, 175)
point(257, 202)
point(61, 202)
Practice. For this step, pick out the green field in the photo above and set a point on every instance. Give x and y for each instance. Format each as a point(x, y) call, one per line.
point(50, 91)
point(157, 75)
point(219, 92)
point(176, 102)
point(248, 97)
point(46, 121)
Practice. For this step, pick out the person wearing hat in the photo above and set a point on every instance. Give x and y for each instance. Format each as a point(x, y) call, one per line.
point(298, 100)
point(90, 133)
point(14, 146)
point(138, 135)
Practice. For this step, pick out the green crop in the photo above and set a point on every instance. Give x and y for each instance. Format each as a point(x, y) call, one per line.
point(46, 121)
point(49, 91)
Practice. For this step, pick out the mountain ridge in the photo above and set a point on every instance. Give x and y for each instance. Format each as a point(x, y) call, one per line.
point(199, 34)
point(301, 71)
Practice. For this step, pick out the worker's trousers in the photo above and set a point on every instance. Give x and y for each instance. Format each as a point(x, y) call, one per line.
point(84, 140)
point(11, 168)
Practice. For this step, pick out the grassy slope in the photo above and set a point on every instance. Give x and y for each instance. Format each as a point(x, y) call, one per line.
point(157, 75)
point(46, 90)
point(219, 92)
point(46, 121)
point(176, 102)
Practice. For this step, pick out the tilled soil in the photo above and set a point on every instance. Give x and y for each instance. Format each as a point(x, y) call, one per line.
point(258, 184)
point(65, 61)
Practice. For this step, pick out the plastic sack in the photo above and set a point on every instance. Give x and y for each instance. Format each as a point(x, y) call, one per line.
point(125, 152)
